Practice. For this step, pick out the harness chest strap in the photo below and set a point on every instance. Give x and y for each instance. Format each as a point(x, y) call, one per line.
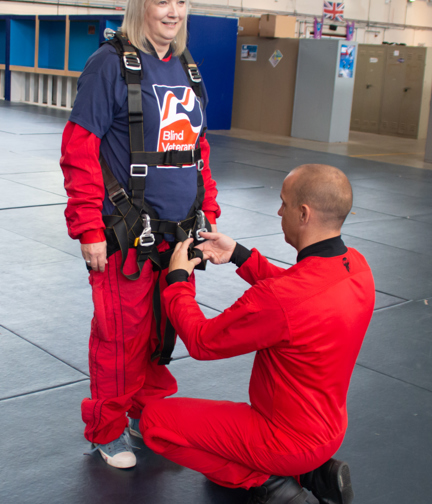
point(137, 223)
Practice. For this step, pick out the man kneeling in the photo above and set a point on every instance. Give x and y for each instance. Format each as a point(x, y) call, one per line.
point(306, 324)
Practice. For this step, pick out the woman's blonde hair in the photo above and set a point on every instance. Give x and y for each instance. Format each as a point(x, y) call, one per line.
point(133, 27)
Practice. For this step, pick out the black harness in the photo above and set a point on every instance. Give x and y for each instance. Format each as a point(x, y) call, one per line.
point(134, 223)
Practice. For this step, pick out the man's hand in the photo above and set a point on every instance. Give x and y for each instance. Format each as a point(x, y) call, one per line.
point(179, 259)
point(218, 248)
point(95, 255)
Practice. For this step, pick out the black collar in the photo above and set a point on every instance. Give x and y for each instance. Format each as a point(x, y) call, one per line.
point(326, 248)
point(153, 52)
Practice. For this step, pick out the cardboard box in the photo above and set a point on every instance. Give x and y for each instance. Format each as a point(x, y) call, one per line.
point(248, 26)
point(274, 26)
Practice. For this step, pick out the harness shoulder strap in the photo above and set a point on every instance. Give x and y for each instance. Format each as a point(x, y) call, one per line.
point(192, 72)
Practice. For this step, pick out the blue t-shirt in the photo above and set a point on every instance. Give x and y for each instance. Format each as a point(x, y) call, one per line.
point(173, 119)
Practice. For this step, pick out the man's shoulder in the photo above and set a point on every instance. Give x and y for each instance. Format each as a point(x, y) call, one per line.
point(314, 274)
point(360, 259)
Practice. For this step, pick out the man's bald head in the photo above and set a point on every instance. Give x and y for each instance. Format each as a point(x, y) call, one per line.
point(323, 188)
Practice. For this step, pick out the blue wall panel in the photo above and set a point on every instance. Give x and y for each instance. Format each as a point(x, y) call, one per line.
point(84, 41)
point(2, 41)
point(114, 25)
point(22, 43)
point(52, 44)
point(212, 43)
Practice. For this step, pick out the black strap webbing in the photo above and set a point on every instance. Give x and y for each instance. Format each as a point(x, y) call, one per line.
point(192, 72)
point(166, 344)
point(125, 230)
point(167, 158)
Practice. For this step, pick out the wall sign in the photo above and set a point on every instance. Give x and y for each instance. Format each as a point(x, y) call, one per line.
point(275, 58)
point(346, 61)
point(249, 52)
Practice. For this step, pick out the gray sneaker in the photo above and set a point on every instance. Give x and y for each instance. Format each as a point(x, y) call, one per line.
point(134, 428)
point(119, 452)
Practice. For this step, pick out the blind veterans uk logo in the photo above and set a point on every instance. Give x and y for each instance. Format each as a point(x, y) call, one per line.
point(180, 117)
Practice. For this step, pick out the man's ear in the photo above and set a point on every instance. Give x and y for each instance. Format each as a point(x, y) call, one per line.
point(305, 213)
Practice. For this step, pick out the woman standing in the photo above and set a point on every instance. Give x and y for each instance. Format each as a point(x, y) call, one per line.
point(123, 331)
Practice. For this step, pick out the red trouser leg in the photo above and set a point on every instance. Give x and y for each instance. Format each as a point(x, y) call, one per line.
point(122, 334)
point(230, 443)
point(159, 382)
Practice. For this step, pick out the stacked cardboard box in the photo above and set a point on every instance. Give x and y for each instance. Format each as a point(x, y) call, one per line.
point(268, 26)
point(248, 27)
point(274, 26)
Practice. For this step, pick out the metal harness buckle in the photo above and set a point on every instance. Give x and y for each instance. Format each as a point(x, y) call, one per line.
point(200, 164)
point(132, 170)
point(200, 225)
point(132, 62)
point(146, 233)
point(194, 73)
point(114, 196)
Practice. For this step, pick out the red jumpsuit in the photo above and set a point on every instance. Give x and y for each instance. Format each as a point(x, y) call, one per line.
point(123, 332)
point(307, 324)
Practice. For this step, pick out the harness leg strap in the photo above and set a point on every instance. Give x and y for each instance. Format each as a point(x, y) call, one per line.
point(166, 345)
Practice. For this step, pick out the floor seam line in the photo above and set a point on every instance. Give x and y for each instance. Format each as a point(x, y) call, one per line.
point(34, 206)
point(393, 377)
point(44, 350)
point(33, 187)
point(210, 307)
point(392, 306)
point(42, 243)
point(385, 244)
point(375, 211)
point(249, 210)
point(256, 236)
point(388, 294)
point(43, 390)
point(256, 166)
point(242, 188)
point(182, 357)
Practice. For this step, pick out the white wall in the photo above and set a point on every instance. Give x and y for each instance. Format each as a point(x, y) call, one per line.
point(16, 7)
point(418, 13)
point(414, 14)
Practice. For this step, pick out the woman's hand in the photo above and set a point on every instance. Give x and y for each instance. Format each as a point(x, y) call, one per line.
point(218, 248)
point(179, 259)
point(95, 255)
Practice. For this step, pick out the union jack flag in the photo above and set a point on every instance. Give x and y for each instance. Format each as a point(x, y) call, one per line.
point(334, 10)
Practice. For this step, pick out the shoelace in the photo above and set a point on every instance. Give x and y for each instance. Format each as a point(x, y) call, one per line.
point(119, 445)
point(134, 426)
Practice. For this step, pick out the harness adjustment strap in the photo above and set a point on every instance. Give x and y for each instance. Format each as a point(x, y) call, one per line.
point(131, 61)
point(117, 196)
point(194, 73)
point(138, 170)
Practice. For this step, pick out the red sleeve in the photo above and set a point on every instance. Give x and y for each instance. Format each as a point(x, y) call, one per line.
point(257, 267)
point(83, 183)
point(254, 322)
point(210, 207)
